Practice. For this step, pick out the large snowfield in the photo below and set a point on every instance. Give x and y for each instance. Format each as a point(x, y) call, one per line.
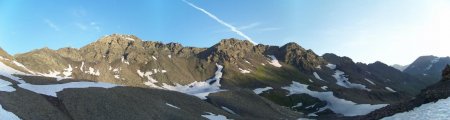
point(439, 110)
point(337, 105)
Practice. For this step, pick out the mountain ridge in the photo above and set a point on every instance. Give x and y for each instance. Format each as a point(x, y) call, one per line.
point(231, 67)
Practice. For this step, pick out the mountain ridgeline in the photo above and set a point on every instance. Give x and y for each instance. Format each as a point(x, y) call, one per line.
point(234, 79)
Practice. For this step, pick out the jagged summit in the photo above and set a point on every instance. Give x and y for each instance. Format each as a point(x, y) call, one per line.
point(4, 54)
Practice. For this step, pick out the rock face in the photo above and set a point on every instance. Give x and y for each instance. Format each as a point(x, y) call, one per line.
point(446, 73)
point(250, 85)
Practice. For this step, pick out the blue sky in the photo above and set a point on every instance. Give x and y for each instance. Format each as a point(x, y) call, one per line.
point(391, 31)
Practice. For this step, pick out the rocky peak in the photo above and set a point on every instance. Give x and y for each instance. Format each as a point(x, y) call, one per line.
point(228, 50)
point(4, 54)
point(233, 43)
point(446, 73)
point(292, 46)
point(111, 48)
point(294, 54)
point(334, 59)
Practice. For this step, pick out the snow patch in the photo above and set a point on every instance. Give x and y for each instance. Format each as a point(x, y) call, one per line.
point(170, 105)
point(6, 115)
point(92, 71)
point(68, 71)
point(66, 74)
point(200, 89)
point(341, 80)
point(212, 116)
point(337, 105)
point(170, 56)
point(318, 67)
point(324, 87)
point(297, 105)
point(154, 58)
point(438, 110)
point(261, 90)
point(5, 86)
point(435, 60)
point(274, 61)
point(317, 76)
point(52, 89)
point(125, 61)
point(369, 81)
point(244, 71)
point(331, 66)
point(228, 110)
point(390, 89)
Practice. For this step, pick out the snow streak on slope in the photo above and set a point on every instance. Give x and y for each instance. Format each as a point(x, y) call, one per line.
point(274, 61)
point(52, 89)
point(439, 110)
point(200, 89)
point(337, 105)
point(212, 116)
point(317, 76)
point(261, 90)
point(341, 80)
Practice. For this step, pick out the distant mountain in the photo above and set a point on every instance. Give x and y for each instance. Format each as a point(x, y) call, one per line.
point(124, 77)
point(428, 68)
point(431, 103)
point(399, 67)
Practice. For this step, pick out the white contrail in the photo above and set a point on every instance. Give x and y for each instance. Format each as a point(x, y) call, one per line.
point(232, 28)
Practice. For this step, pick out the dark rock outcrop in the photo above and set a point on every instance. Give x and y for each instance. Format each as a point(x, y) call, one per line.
point(446, 73)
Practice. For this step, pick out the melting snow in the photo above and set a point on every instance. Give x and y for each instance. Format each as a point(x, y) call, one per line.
point(369, 81)
point(170, 105)
point(125, 61)
point(317, 76)
point(439, 110)
point(82, 66)
point(435, 60)
point(151, 81)
point(318, 67)
point(341, 80)
point(247, 62)
point(68, 71)
point(52, 74)
point(5, 86)
point(331, 66)
point(274, 61)
point(92, 71)
point(154, 58)
point(228, 110)
point(261, 90)
point(170, 56)
point(212, 116)
point(7, 115)
point(390, 89)
point(200, 89)
point(298, 105)
point(130, 39)
point(52, 89)
point(337, 105)
point(244, 71)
